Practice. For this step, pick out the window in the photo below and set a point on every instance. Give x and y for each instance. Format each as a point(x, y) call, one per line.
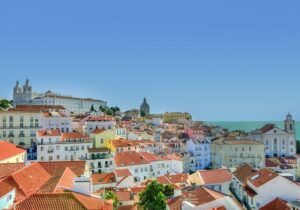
point(82, 147)
point(249, 148)
point(77, 148)
point(57, 157)
point(66, 157)
point(42, 158)
point(66, 148)
point(142, 170)
point(42, 148)
point(136, 170)
point(57, 147)
point(9, 197)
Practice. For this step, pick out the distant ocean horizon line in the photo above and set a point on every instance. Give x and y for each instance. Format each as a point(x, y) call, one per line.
point(251, 125)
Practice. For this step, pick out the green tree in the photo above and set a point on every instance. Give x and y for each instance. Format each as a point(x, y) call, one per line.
point(5, 103)
point(109, 195)
point(93, 108)
point(153, 197)
point(168, 190)
point(143, 114)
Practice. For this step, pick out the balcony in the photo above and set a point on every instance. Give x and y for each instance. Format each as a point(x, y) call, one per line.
point(11, 135)
point(21, 135)
point(100, 156)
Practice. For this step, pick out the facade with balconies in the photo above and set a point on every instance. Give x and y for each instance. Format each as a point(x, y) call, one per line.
point(100, 160)
point(55, 146)
point(200, 153)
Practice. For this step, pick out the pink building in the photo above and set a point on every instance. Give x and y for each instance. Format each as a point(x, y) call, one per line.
point(196, 132)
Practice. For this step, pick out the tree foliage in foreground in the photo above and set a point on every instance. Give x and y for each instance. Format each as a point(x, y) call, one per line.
point(154, 197)
point(109, 195)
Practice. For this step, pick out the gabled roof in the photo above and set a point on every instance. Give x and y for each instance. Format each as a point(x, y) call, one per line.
point(267, 127)
point(262, 177)
point(244, 171)
point(5, 188)
point(9, 150)
point(58, 180)
point(151, 157)
point(103, 178)
point(122, 172)
point(72, 135)
point(58, 201)
point(98, 131)
point(276, 204)
point(201, 195)
point(78, 167)
point(28, 180)
point(123, 195)
point(124, 143)
point(214, 176)
point(129, 158)
point(7, 169)
point(54, 132)
point(177, 178)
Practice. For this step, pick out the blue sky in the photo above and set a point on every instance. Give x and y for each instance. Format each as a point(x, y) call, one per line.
point(219, 60)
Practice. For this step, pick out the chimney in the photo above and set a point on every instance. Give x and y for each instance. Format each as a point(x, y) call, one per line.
point(83, 185)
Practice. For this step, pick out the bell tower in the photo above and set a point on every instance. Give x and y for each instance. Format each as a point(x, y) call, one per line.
point(289, 124)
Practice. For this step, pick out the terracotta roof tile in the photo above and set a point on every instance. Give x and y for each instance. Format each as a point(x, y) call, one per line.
point(9, 150)
point(276, 204)
point(7, 169)
point(122, 172)
point(262, 177)
point(243, 172)
point(5, 188)
point(78, 167)
point(123, 195)
point(103, 178)
point(130, 207)
point(124, 143)
point(177, 178)
point(58, 201)
point(98, 131)
point(129, 158)
point(267, 127)
point(73, 135)
point(215, 176)
point(54, 132)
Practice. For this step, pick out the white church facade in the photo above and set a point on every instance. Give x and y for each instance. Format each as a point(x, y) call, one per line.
point(25, 96)
point(278, 142)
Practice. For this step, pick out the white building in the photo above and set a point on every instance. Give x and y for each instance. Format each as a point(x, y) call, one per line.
point(56, 146)
point(278, 142)
point(100, 160)
point(200, 150)
point(258, 188)
point(56, 120)
point(25, 96)
point(100, 122)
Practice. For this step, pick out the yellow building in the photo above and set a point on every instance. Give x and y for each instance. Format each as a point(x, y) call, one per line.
point(232, 153)
point(101, 137)
point(176, 116)
point(10, 153)
point(19, 125)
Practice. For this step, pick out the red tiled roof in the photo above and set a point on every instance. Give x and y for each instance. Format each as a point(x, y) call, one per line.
point(124, 143)
point(267, 127)
point(9, 150)
point(98, 131)
point(78, 167)
point(101, 118)
point(123, 195)
point(27, 180)
point(35, 108)
point(137, 190)
point(270, 163)
point(151, 157)
point(5, 188)
point(201, 195)
point(262, 177)
point(7, 169)
point(276, 204)
point(129, 158)
point(103, 178)
point(177, 178)
point(54, 132)
point(72, 135)
point(243, 172)
point(215, 176)
point(58, 201)
point(58, 180)
point(130, 207)
point(122, 172)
